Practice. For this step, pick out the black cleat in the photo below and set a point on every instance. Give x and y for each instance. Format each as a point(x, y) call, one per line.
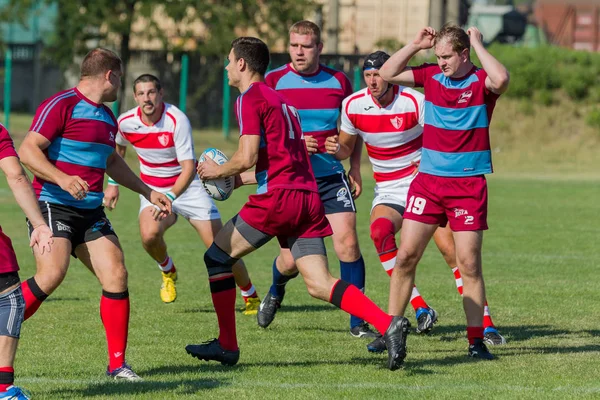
point(364, 330)
point(377, 345)
point(212, 350)
point(426, 317)
point(478, 350)
point(267, 309)
point(395, 341)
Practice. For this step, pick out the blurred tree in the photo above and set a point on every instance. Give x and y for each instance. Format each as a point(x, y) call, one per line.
point(84, 24)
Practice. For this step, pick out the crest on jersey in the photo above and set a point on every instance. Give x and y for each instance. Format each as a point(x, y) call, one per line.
point(397, 121)
point(164, 139)
point(465, 96)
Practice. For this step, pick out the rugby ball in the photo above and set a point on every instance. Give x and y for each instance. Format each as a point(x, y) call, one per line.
point(218, 189)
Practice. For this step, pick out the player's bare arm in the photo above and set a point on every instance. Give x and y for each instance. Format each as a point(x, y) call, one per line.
point(245, 178)
point(498, 76)
point(354, 175)
point(32, 156)
point(118, 169)
point(242, 160)
point(188, 170)
point(23, 192)
point(342, 146)
point(395, 69)
point(111, 192)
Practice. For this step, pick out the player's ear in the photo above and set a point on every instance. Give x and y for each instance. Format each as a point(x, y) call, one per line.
point(320, 47)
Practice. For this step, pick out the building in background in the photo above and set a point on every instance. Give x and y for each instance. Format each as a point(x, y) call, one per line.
point(570, 23)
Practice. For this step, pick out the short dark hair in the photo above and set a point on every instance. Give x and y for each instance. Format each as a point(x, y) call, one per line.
point(147, 78)
point(99, 61)
point(254, 51)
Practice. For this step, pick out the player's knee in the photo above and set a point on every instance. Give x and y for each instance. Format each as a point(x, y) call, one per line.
point(470, 269)
point(383, 234)
point(407, 259)
point(317, 289)
point(49, 279)
point(150, 238)
point(346, 246)
point(218, 261)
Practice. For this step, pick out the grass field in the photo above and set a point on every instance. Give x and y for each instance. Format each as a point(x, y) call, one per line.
point(541, 263)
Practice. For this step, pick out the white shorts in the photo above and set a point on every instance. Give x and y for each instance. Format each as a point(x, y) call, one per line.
point(392, 192)
point(194, 203)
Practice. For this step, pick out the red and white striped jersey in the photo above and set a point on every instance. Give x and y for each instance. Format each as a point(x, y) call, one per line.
point(392, 134)
point(160, 147)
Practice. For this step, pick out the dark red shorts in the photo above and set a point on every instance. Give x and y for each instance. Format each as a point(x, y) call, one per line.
point(287, 213)
point(437, 200)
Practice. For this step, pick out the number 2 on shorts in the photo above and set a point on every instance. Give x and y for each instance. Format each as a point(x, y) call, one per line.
point(416, 205)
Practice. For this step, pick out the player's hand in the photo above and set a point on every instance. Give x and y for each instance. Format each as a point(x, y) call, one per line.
point(77, 187)
point(475, 35)
point(355, 182)
point(208, 169)
point(425, 38)
point(162, 205)
point(42, 237)
point(416, 165)
point(111, 197)
point(312, 145)
point(332, 144)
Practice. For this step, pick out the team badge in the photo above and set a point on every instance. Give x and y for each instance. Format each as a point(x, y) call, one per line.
point(397, 121)
point(465, 96)
point(164, 139)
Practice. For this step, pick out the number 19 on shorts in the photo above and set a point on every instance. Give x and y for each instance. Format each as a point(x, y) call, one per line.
point(416, 205)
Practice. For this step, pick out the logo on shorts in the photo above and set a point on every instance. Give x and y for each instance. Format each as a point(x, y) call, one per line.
point(164, 139)
point(100, 224)
point(465, 96)
point(342, 195)
point(459, 212)
point(397, 122)
point(63, 227)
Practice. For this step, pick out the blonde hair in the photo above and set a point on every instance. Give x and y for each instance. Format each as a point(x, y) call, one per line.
point(306, 27)
point(455, 35)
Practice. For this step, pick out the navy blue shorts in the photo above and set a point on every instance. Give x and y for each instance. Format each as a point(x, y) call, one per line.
point(12, 312)
point(335, 193)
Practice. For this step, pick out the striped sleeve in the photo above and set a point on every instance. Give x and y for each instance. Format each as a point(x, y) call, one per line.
point(51, 116)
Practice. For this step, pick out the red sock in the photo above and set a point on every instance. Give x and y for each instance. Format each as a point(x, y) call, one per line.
point(350, 299)
point(114, 312)
point(223, 296)
point(458, 280)
point(248, 291)
point(8, 374)
point(487, 318)
point(474, 332)
point(33, 296)
point(167, 266)
point(416, 301)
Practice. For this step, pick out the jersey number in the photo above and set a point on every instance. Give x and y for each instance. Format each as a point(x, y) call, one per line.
point(416, 205)
point(286, 111)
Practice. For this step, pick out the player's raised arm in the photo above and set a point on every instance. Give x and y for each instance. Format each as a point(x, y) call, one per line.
point(395, 69)
point(497, 75)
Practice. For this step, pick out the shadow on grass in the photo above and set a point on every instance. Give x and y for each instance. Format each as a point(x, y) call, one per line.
point(64, 298)
point(284, 309)
point(449, 333)
point(152, 389)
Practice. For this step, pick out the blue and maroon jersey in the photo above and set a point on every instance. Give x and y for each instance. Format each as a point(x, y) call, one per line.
point(456, 139)
point(282, 156)
point(8, 259)
point(318, 98)
point(82, 135)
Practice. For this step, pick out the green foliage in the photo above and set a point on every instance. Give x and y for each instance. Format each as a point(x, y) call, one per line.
point(388, 44)
point(593, 118)
point(546, 69)
point(544, 97)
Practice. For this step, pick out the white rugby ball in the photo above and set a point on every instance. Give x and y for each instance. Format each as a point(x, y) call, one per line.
point(219, 189)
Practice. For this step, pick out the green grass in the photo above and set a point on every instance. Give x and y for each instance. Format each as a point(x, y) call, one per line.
point(541, 263)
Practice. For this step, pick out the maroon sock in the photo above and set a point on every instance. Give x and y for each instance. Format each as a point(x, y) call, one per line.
point(222, 290)
point(114, 312)
point(474, 332)
point(7, 378)
point(33, 296)
point(350, 299)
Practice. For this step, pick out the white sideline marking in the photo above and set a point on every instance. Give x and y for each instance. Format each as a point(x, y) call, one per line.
point(246, 384)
